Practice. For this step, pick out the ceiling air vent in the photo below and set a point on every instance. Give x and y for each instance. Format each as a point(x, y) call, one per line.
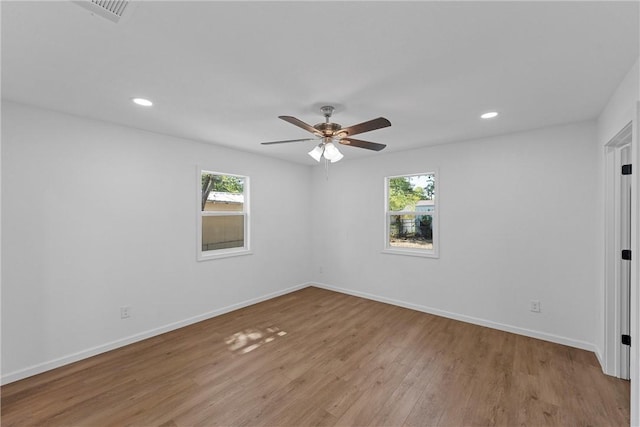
point(109, 9)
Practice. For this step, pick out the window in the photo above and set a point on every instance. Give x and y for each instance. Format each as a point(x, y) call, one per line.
point(411, 215)
point(223, 215)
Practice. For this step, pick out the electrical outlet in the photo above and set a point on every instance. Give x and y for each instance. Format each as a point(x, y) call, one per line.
point(535, 306)
point(125, 312)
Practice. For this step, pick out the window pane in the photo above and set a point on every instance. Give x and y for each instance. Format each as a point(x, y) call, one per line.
point(409, 193)
point(222, 192)
point(411, 231)
point(228, 202)
point(222, 232)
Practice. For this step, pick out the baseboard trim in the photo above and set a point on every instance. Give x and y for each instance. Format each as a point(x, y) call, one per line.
point(601, 360)
point(103, 348)
point(468, 319)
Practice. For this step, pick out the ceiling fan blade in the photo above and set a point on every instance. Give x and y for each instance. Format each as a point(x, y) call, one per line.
point(300, 124)
point(288, 140)
point(374, 124)
point(362, 144)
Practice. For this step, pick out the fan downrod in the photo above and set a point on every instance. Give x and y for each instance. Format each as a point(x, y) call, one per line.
point(327, 128)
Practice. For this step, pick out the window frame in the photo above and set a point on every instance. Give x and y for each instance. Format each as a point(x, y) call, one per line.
point(394, 250)
point(225, 252)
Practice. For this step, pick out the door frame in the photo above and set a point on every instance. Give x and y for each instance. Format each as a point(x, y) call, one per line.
point(613, 247)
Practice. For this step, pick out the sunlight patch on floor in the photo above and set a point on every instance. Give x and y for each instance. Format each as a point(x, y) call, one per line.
point(250, 339)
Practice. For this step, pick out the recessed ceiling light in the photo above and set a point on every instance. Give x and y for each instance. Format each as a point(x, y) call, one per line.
point(142, 101)
point(489, 115)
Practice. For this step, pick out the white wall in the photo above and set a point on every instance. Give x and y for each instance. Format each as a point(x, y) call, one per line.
point(79, 237)
point(517, 220)
point(517, 223)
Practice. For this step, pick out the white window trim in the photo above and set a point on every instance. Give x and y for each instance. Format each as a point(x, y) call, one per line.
point(229, 252)
point(425, 253)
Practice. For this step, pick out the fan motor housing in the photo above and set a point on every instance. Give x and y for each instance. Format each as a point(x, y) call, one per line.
point(328, 129)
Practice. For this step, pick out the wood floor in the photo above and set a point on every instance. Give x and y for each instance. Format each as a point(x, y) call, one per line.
point(316, 357)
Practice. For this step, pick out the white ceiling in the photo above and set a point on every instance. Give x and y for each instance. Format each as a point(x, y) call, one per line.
point(222, 72)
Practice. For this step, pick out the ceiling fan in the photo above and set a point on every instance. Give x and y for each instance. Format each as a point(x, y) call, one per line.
point(328, 132)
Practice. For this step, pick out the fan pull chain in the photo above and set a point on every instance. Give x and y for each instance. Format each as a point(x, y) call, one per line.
point(326, 169)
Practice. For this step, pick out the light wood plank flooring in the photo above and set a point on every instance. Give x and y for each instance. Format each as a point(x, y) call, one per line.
point(316, 357)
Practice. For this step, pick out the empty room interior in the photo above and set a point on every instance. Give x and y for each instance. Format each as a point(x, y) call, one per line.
point(320, 213)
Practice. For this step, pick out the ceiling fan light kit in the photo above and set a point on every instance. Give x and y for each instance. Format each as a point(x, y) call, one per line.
point(329, 133)
point(331, 152)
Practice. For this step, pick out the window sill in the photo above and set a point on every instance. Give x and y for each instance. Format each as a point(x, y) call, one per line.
point(411, 252)
point(224, 254)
